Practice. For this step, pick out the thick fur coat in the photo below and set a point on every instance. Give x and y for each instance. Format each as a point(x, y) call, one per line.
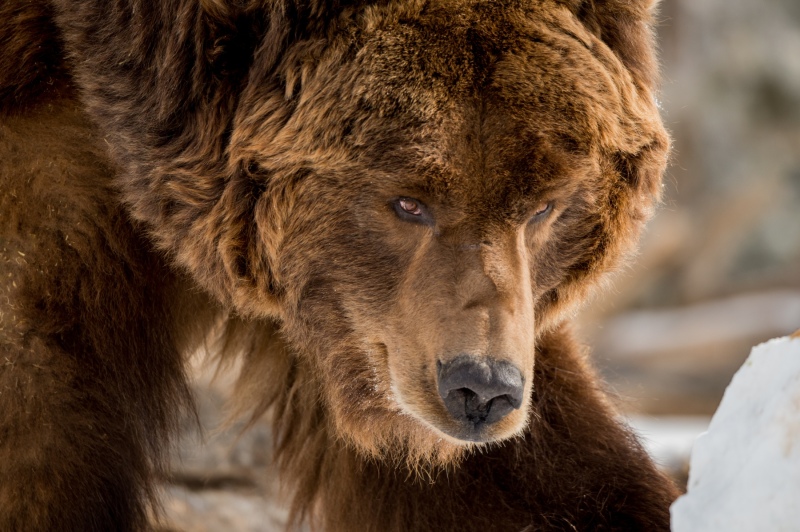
point(358, 199)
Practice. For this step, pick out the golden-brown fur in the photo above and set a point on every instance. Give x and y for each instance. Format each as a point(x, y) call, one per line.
point(167, 165)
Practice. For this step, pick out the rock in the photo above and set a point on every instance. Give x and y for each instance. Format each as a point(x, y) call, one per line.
point(745, 471)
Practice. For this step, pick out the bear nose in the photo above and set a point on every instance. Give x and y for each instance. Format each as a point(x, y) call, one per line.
point(480, 391)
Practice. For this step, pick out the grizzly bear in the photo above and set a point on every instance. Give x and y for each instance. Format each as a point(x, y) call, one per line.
point(388, 210)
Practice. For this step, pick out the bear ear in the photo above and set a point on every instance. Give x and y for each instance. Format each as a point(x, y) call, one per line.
point(626, 26)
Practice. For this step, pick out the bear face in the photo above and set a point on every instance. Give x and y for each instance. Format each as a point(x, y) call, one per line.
point(488, 164)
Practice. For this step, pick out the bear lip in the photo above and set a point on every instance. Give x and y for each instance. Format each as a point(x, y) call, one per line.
point(473, 432)
point(476, 432)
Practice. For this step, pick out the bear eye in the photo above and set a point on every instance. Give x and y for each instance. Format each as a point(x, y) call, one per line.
point(412, 210)
point(410, 206)
point(542, 210)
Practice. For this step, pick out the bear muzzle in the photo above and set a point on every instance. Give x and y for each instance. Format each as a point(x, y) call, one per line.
point(479, 392)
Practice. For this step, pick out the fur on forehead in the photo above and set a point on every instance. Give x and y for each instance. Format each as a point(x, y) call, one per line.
point(485, 81)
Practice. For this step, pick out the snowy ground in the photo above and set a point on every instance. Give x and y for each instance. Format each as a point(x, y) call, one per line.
point(745, 471)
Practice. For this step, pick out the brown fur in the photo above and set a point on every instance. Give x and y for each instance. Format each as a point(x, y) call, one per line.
point(252, 150)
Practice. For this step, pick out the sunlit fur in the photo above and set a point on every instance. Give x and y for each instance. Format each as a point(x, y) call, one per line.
point(181, 173)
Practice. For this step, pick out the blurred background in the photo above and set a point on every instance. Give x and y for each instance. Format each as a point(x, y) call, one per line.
point(718, 273)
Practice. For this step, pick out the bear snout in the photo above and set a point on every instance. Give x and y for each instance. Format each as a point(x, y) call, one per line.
point(478, 392)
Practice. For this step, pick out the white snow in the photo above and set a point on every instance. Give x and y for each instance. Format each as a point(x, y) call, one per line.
point(745, 471)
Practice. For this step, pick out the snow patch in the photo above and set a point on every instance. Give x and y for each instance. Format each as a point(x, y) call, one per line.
point(745, 471)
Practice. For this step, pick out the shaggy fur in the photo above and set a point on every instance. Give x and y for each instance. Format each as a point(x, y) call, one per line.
point(173, 168)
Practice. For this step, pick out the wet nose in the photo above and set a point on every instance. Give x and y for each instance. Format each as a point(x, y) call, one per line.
point(480, 391)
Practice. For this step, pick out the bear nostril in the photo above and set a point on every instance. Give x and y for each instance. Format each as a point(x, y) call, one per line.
point(480, 391)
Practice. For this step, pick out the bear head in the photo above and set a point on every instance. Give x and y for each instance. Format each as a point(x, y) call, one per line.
point(440, 183)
